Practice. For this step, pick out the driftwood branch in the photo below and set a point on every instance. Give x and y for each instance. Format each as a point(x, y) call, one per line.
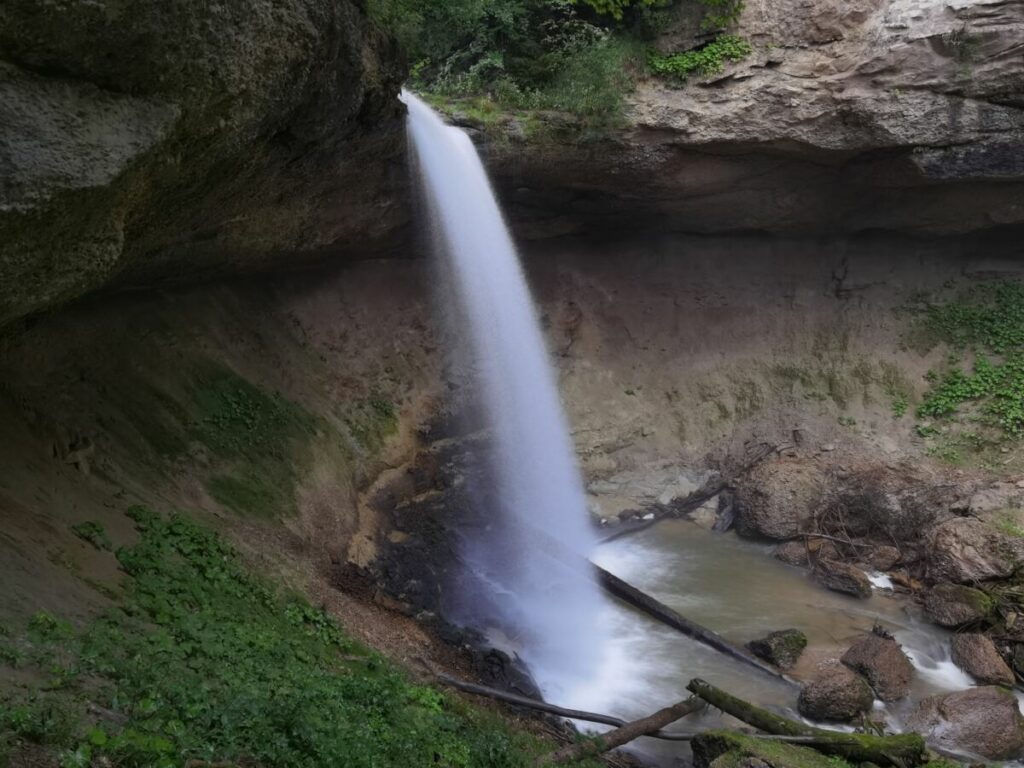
point(711, 488)
point(543, 706)
point(624, 734)
point(661, 612)
point(653, 608)
point(902, 750)
point(836, 539)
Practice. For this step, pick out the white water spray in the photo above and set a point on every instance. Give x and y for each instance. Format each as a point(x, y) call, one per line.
point(551, 606)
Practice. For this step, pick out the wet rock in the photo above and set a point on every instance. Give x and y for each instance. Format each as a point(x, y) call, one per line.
point(885, 557)
point(965, 550)
point(792, 553)
point(881, 660)
point(985, 721)
point(781, 648)
point(841, 577)
point(836, 693)
point(776, 499)
point(976, 655)
point(953, 605)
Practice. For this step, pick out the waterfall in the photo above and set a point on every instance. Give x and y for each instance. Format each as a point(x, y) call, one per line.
point(552, 607)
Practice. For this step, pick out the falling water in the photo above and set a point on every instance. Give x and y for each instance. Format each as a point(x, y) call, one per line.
point(550, 605)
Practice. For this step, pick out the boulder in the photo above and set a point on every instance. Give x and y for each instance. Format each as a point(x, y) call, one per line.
point(884, 557)
point(841, 577)
point(976, 655)
point(792, 553)
point(965, 550)
point(836, 693)
point(984, 721)
point(781, 648)
point(776, 499)
point(881, 660)
point(953, 605)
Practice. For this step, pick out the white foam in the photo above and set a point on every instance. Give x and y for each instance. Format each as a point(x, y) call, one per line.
point(879, 580)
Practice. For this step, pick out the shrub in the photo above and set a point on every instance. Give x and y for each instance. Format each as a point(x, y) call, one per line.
point(707, 60)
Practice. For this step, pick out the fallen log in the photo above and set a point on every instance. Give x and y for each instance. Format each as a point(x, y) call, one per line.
point(624, 734)
point(551, 709)
point(661, 612)
point(653, 608)
point(901, 750)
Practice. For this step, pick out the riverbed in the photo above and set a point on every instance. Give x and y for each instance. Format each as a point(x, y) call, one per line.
point(738, 589)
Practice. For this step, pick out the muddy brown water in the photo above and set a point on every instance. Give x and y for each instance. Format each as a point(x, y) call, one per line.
point(736, 588)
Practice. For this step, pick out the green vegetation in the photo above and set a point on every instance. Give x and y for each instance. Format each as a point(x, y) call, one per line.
point(707, 60)
point(900, 404)
point(729, 749)
point(203, 661)
point(988, 323)
point(259, 439)
point(93, 533)
point(580, 58)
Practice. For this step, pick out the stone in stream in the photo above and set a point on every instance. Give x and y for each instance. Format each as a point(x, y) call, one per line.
point(985, 721)
point(792, 553)
point(976, 655)
point(836, 693)
point(884, 558)
point(881, 660)
point(781, 648)
point(842, 577)
point(953, 605)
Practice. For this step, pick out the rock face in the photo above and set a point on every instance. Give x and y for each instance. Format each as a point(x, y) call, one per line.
point(776, 499)
point(976, 655)
point(881, 660)
point(781, 648)
point(984, 721)
point(953, 605)
point(965, 550)
point(849, 116)
point(176, 139)
point(842, 577)
point(836, 693)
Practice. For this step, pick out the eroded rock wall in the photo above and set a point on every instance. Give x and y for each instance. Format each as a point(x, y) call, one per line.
point(178, 140)
point(848, 117)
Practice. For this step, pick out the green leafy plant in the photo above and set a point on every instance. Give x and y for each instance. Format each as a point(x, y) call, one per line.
point(705, 61)
point(987, 321)
point(900, 404)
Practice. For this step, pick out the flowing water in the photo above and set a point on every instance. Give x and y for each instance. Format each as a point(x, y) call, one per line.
point(736, 588)
point(552, 607)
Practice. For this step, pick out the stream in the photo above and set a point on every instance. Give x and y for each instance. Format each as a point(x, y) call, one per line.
point(738, 589)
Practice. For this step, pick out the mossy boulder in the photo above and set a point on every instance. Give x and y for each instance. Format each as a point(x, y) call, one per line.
point(954, 605)
point(781, 648)
point(727, 749)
